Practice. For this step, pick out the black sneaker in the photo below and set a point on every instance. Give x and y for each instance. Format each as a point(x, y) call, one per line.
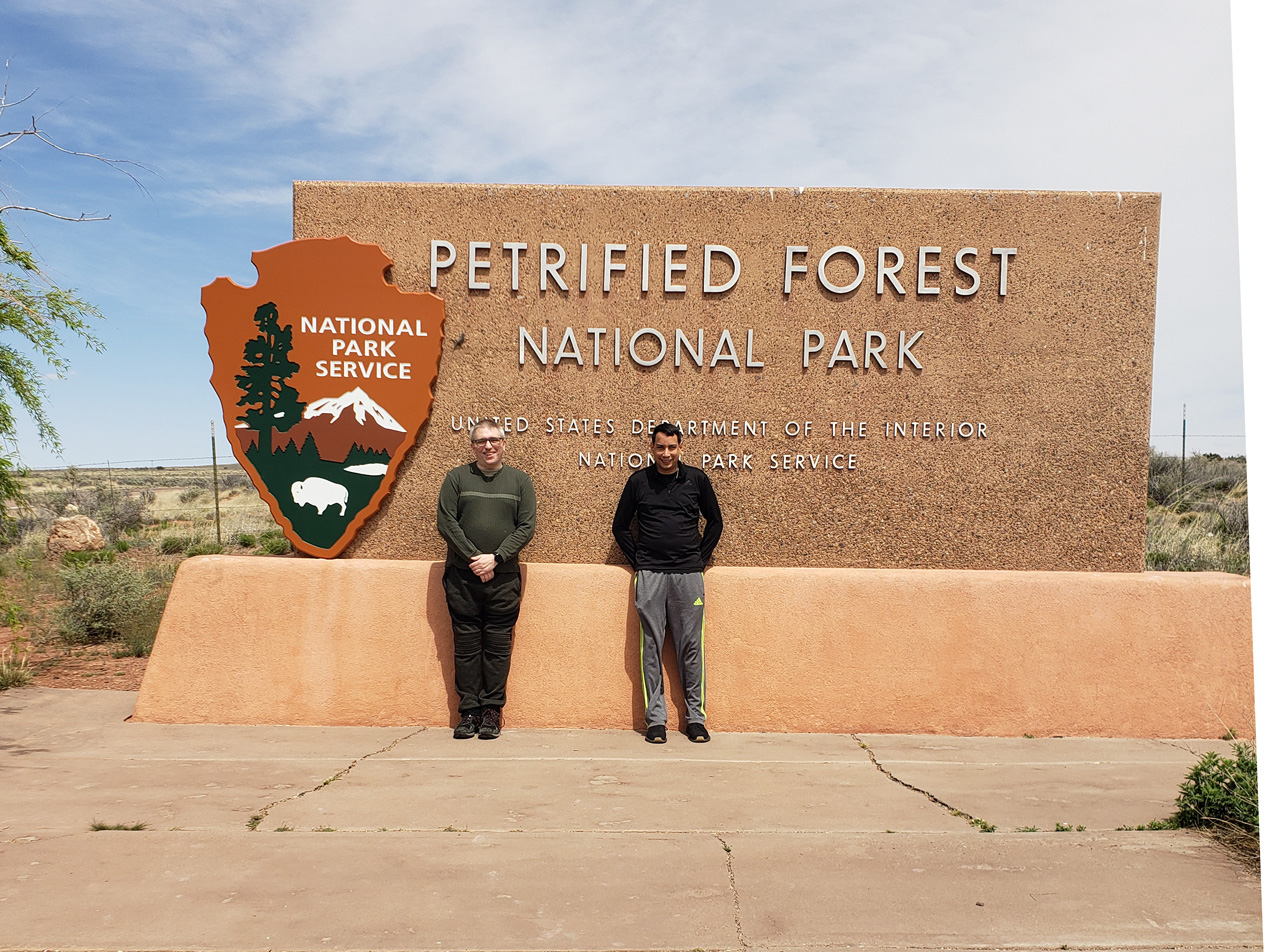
point(697, 733)
point(490, 723)
point(467, 727)
point(656, 734)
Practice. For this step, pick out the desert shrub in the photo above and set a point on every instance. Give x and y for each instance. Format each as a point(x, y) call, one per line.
point(247, 540)
point(190, 495)
point(233, 480)
point(123, 512)
point(88, 555)
point(274, 545)
point(101, 598)
point(205, 548)
point(1202, 524)
point(172, 545)
point(122, 545)
point(1222, 792)
point(14, 671)
point(138, 632)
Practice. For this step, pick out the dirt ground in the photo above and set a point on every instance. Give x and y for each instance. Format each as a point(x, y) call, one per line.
point(80, 666)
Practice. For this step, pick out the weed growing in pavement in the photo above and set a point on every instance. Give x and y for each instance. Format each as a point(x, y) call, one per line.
point(1067, 828)
point(1168, 824)
point(284, 829)
point(1027, 829)
point(254, 821)
point(96, 826)
point(1221, 793)
point(983, 825)
point(1220, 797)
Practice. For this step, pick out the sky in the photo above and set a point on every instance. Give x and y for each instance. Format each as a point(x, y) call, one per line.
point(225, 105)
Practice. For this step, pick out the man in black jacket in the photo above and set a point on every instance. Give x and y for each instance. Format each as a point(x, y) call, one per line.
point(666, 499)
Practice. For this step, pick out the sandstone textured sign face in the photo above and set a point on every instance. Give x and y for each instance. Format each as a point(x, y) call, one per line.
point(871, 378)
point(324, 371)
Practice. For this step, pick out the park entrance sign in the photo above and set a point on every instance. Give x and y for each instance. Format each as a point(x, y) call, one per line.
point(872, 378)
point(877, 382)
point(324, 371)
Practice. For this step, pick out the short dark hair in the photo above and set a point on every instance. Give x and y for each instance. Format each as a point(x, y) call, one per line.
point(667, 429)
point(487, 425)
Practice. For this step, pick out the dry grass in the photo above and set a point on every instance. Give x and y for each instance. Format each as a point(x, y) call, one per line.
point(44, 609)
point(1197, 521)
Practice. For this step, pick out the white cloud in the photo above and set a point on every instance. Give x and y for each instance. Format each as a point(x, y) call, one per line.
point(1069, 94)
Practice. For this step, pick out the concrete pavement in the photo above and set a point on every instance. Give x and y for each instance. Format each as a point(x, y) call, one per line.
point(402, 838)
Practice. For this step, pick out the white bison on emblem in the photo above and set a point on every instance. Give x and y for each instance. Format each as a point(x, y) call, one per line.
point(321, 493)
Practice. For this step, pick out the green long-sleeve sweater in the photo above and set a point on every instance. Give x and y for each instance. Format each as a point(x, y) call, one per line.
point(480, 512)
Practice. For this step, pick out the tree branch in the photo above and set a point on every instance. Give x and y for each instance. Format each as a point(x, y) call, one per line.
point(43, 211)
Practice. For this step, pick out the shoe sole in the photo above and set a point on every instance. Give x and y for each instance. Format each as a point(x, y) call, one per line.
point(656, 740)
point(488, 736)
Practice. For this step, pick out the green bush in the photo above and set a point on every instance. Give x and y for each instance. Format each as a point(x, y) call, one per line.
point(88, 555)
point(138, 632)
point(172, 545)
point(274, 545)
point(205, 548)
point(1222, 792)
point(102, 598)
point(122, 545)
point(247, 540)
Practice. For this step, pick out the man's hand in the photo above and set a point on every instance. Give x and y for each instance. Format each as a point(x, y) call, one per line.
point(483, 566)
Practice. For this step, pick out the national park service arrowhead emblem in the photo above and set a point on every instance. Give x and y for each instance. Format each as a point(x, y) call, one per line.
point(325, 374)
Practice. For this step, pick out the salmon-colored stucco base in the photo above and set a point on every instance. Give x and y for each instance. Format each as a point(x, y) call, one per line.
point(362, 641)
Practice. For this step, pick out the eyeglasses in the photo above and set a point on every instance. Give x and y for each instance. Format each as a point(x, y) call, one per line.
point(495, 440)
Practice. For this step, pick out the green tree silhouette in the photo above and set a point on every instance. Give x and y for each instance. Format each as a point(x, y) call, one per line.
point(271, 403)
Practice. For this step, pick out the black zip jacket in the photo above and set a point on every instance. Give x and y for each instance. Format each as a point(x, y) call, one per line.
point(666, 509)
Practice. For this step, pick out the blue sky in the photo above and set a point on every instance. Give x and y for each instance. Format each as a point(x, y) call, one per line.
point(227, 104)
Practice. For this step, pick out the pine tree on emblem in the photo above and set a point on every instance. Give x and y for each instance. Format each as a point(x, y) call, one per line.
point(271, 403)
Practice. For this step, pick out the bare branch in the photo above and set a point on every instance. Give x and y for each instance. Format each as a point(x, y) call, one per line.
point(43, 211)
point(8, 138)
point(117, 164)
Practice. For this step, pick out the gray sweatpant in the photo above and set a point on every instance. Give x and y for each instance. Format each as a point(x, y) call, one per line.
point(662, 600)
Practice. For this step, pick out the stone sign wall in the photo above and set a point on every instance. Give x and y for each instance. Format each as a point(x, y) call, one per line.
point(885, 379)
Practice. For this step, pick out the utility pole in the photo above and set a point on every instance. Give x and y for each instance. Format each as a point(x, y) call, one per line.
point(1184, 448)
point(217, 511)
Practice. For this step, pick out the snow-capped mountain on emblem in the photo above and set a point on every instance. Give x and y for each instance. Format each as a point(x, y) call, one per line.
point(282, 348)
point(361, 405)
point(336, 433)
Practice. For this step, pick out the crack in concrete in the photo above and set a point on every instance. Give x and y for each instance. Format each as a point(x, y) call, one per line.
point(733, 888)
point(955, 811)
point(259, 815)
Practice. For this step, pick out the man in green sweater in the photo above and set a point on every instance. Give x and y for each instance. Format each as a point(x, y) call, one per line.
point(486, 514)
